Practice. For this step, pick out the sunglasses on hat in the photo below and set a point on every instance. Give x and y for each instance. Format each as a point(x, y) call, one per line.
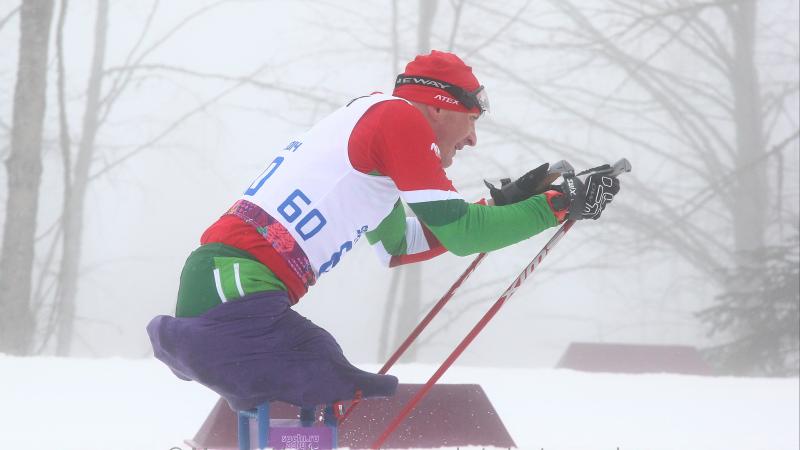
point(469, 99)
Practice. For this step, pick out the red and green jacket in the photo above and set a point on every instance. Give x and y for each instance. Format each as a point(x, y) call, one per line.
point(350, 176)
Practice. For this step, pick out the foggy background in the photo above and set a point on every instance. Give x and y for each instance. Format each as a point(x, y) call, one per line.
point(192, 98)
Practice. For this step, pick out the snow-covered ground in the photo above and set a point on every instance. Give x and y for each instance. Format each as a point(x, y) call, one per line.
point(82, 404)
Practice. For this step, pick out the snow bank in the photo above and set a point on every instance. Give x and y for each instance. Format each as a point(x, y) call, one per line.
point(82, 404)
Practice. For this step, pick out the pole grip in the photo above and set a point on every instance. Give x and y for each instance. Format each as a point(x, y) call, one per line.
point(620, 167)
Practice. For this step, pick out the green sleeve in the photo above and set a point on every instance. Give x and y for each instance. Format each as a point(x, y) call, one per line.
point(391, 232)
point(465, 228)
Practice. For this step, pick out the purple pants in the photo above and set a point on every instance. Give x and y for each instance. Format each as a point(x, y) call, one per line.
point(258, 349)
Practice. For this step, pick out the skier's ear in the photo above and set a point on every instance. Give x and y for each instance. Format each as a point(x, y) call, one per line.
point(435, 114)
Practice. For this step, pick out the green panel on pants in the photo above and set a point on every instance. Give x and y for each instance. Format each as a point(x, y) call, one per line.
point(217, 272)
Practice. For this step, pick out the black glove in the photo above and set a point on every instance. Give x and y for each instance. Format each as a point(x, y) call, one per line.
point(532, 183)
point(587, 199)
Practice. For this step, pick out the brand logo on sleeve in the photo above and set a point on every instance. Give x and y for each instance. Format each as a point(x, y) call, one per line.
point(435, 149)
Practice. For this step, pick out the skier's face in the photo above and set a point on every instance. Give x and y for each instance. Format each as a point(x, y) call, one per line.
point(454, 130)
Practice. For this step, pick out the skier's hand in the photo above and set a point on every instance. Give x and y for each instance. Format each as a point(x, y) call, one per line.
point(534, 182)
point(588, 199)
point(600, 191)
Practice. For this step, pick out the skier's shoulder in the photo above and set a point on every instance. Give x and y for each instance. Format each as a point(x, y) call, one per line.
point(393, 138)
point(397, 116)
point(392, 125)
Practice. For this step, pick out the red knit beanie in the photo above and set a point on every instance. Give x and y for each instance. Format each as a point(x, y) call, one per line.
point(441, 66)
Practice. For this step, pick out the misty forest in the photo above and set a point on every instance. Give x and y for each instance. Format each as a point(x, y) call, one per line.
point(128, 127)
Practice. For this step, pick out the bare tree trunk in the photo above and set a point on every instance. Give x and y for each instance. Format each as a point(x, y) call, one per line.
point(75, 195)
point(395, 40)
point(750, 199)
point(749, 202)
point(24, 166)
point(409, 311)
point(389, 307)
point(388, 312)
point(427, 12)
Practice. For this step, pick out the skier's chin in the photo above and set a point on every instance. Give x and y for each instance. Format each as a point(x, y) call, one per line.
point(447, 158)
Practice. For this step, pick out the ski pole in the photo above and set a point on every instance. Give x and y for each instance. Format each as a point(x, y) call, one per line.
point(619, 167)
point(554, 171)
point(471, 335)
point(431, 314)
point(421, 326)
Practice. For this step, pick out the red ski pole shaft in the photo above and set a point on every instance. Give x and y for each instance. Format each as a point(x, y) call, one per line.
point(471, 335)
point(424, 323)
point(431, 314)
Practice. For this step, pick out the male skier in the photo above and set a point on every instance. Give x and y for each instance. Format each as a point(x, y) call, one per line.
point(343, 180)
